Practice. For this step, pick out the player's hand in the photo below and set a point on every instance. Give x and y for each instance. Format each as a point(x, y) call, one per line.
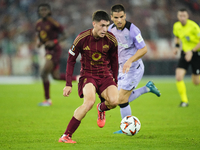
point(188, 56)
point(67, 90)
point(49, 44)
point(175, 50)
point(127, 66)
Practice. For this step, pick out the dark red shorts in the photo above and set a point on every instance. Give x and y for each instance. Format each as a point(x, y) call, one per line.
point(54, 54)
point(100, 83)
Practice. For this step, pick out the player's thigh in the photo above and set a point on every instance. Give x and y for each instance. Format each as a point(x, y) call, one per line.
point(48, 66)
point(129, 81)
point(89, 93)
point(124, 96)
point(110, 94)
point(55, 73)
point(180, 73)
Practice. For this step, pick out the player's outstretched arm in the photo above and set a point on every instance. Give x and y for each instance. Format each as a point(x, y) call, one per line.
point(177, 45)
point(67, 90)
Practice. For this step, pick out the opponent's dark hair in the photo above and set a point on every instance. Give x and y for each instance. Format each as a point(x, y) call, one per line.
point(100, 15)
point(117, 8)
point(44, 5)
point(182, 9)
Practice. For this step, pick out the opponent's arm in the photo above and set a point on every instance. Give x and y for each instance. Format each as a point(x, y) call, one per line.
point(139, 54)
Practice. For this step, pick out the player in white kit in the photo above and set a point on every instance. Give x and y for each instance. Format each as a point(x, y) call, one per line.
point(131, 48)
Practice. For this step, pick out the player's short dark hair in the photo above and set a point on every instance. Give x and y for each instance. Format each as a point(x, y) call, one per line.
point(100, 15)
point(182, 9)
point(44, 5)
point(117, 8)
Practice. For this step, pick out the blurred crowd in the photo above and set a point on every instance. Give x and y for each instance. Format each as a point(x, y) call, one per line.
point(155, 19)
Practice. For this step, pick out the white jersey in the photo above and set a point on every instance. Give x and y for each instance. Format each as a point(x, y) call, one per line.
point(129, 41)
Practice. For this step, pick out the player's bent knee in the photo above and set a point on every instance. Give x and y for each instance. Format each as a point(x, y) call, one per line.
point(114, 103)
point(89, 105)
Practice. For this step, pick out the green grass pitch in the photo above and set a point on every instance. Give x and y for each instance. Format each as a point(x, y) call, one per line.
point(164, 126)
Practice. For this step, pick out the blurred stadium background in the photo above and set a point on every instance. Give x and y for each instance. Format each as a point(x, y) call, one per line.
point(155, 18)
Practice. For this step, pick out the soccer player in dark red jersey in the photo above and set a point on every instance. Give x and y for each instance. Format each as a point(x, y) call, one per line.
point(99, 70)
point(50, 33)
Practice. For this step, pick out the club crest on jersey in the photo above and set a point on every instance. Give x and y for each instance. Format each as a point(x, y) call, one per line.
point(187, 38)
point(127, 38)
point(105, 47)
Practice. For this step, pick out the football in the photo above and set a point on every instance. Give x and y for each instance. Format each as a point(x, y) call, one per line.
point(130, 125)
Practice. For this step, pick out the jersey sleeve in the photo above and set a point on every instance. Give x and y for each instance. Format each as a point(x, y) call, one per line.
point(175, 30)
point(197, 29)
point(137, 37)
point(73, 54)
point(114, 63)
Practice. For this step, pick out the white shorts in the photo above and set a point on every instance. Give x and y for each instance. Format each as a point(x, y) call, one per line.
point(129, 81)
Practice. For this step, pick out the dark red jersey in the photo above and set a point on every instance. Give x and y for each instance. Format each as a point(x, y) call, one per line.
point(48, 29)
point(99, 57)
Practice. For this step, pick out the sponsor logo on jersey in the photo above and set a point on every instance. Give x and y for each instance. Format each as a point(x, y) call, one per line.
point(123, 45)
point(96, 62)
point(43, 34)
point(86, 48)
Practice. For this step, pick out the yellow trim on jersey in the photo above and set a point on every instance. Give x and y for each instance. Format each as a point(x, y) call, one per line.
point(39, 20)
point(53, 21)
point(189, 34)
point(81, 36)
point(112, 38)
